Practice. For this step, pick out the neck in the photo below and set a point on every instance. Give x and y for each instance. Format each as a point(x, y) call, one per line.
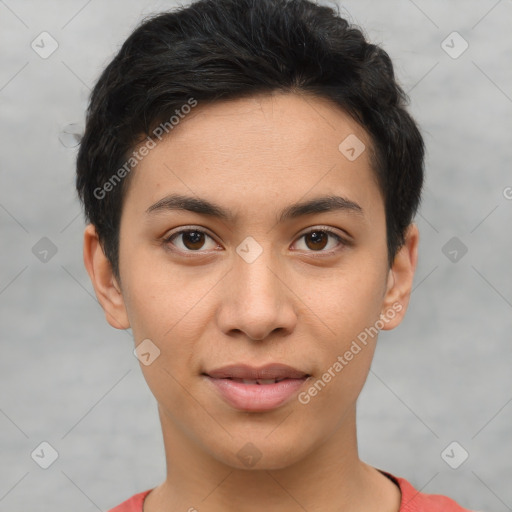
point(329, 478)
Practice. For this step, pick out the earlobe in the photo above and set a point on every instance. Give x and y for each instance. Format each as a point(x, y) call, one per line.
point(105, 285)
point(400, 280)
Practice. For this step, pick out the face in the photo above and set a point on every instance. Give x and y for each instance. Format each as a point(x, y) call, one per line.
point(275, 254)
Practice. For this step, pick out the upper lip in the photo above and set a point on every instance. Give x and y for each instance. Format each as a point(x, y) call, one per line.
point(269, 371)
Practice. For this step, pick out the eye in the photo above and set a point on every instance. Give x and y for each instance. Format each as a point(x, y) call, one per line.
point(190, 240)
point(317, 239)
point(193, 240)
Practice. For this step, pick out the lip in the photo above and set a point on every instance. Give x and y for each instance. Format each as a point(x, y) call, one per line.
point(245, 371)
point(256, 397)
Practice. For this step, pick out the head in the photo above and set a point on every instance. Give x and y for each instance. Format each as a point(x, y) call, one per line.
point(220, 117)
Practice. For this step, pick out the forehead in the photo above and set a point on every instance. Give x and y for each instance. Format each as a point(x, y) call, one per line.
point(258, 149)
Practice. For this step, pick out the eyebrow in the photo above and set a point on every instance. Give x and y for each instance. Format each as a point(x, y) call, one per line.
point(205, 207)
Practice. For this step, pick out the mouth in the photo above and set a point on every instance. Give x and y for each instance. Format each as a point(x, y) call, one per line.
point(248, 388)
point(256, 381)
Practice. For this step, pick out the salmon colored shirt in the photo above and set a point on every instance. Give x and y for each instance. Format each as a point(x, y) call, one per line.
point(412, 500)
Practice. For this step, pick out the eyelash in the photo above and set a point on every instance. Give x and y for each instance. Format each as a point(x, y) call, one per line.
point(322, 229)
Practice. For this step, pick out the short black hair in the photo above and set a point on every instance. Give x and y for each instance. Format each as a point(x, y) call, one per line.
point(214, 50)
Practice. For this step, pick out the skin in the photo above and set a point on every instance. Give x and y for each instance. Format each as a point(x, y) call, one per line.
point(295, 304)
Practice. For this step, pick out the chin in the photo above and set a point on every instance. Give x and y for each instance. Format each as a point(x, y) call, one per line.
point(261, 453)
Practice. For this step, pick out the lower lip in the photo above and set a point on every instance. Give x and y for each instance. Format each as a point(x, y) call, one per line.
point(257, 397)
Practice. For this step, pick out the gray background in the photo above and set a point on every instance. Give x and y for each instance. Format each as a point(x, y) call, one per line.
point(69, 379)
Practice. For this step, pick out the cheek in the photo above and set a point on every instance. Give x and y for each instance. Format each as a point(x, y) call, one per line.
point(351, 302)
point(174, 322)
point(169, 308)
point(349, 324)
point(338, 386)
point(160, 299)
point(346, 352)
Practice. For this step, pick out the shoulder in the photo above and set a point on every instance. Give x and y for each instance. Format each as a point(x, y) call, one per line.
point(134, 504)
point(415, 501)
point(412, 500)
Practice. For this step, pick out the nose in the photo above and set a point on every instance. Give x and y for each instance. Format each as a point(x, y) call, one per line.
point(257, 301)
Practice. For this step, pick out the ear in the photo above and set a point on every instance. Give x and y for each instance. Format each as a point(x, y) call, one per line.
point(400, 279)
point(105, 284)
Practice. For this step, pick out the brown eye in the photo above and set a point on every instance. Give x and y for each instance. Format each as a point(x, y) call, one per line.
point(190, 240)
point(193, 240)
point(318, 239)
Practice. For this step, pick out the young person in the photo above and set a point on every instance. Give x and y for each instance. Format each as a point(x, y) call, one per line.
point(250, 175)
